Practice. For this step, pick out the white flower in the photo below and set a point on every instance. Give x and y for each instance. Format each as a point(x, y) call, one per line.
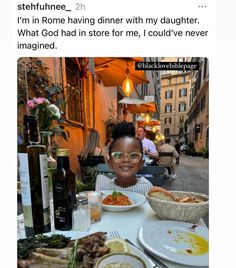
point(54, 110)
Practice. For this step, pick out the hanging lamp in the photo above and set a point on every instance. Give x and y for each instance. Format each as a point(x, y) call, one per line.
point(147, 118)
point(128, 85)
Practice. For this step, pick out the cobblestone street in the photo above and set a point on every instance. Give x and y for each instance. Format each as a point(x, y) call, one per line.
point(192, 175)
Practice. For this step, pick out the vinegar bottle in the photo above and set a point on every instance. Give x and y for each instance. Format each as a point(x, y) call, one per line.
point(63, 191)
point(34, 183)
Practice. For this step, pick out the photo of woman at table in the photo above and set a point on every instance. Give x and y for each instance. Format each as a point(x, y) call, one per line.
point(126, 159)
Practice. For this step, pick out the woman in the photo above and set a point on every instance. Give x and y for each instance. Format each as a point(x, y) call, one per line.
point(91, 147)
point(126, 159)
point(91, 155)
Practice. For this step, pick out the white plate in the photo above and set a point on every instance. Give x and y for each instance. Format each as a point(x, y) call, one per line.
point(170, 240)
point(76, 235)
point(135, 198)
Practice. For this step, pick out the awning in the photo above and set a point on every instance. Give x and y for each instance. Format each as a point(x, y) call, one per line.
point(149, 107)
point(112, 71)
point(130, 101)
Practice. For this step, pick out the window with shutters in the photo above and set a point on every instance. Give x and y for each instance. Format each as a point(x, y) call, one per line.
point(182, 107)
point(182, 92)
point(202, 103)
point(167, 132)
point(74, 92)
point(168, 108)
point(168, 120)
point(181, 119)
point(168, 94)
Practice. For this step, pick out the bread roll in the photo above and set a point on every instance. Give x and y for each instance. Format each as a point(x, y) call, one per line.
point(161, 193)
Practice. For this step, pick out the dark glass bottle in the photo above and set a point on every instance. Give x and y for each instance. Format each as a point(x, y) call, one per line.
point(34, 183)
point(63, 191)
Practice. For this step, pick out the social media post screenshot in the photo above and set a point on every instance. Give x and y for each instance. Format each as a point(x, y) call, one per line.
point(135, 129)
point(113, 103)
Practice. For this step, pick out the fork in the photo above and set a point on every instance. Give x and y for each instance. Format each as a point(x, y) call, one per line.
point(115, 234)
point(156, 262)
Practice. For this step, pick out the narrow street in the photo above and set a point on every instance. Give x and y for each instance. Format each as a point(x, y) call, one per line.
point(192, 175)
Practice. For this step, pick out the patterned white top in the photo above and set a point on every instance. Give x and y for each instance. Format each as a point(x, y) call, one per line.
point(104, 183)
point(150, 145)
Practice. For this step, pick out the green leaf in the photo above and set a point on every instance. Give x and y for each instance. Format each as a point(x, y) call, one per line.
point(115, 194)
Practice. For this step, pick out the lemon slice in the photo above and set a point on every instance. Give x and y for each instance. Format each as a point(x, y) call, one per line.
point(117, 245)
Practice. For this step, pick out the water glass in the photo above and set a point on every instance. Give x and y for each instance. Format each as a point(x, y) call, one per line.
point(95, 205)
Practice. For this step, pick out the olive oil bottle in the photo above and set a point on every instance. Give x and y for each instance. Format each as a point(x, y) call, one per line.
point(63, 191)
point(34, 183)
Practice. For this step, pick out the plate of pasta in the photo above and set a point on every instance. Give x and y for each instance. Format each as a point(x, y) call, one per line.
point(121, 200)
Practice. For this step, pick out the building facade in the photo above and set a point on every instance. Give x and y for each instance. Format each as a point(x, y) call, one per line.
point(198, 114)
point(174, 104)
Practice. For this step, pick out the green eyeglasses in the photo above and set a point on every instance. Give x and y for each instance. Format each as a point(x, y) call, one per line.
point(133, 157)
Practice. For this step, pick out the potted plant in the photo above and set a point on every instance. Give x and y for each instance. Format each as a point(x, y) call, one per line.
point(91, 173)
point(194, 152)
point(200, 153)
point(206, 152)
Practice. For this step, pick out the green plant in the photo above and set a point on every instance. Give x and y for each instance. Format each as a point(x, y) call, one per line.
point(91, 174)
point(191, 145)
point(193, 152)
point(112, 118)
point(47, 113)
point(206, 152)
point(35, 88)
point(200, 153)
point(32, 78)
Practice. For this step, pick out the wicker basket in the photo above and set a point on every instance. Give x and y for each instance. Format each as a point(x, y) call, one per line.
point(170, 210)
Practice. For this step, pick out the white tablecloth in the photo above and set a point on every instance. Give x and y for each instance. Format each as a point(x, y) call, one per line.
point(126, 223)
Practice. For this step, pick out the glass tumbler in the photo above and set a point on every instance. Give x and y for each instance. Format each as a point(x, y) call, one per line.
point(95, 204)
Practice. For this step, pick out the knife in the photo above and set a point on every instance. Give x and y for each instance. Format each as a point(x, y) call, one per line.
point(157, 262)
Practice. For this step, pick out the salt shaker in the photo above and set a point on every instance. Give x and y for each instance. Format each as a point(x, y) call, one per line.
point(81, 219)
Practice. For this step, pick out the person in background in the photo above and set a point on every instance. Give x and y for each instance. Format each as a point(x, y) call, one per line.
point(149, 147)
point(177, 148)
point(92, 154)
point(125, 158)
point(92, 147)
point(168, 161)
point(107, 145)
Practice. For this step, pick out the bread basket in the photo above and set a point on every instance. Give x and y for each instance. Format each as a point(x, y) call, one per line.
point(171, 210)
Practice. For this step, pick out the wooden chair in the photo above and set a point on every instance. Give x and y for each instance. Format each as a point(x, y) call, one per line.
point(157, 172)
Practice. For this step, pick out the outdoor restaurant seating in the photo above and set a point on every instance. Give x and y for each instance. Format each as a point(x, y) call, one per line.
point(166, 154)
point(157, 172)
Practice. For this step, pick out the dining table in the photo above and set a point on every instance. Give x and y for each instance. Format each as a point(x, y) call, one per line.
point(127, 224)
